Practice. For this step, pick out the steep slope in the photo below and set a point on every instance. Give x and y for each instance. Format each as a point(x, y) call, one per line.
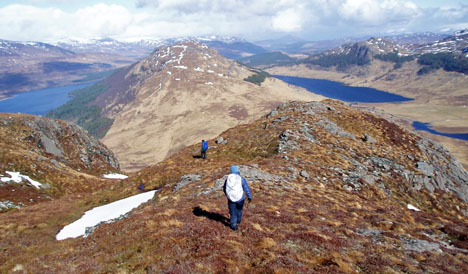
point(335, 190)
point(180, 95)
point(60, 156)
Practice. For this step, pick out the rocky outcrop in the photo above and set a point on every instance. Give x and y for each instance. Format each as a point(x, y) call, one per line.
point(64, 141)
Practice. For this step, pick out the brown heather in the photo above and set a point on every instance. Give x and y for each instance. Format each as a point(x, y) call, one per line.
point(324, 201)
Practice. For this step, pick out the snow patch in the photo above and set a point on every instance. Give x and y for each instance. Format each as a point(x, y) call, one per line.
point(115, 176)
point(177, 79)
point(412, 207)
point(168, 72)
point(199, 69)
point(17, 178)
point(102, 214)
point(181, 67)
point(210, 71)
point(209, 83)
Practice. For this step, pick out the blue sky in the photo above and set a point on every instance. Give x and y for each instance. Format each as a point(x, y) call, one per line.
point(51, 20)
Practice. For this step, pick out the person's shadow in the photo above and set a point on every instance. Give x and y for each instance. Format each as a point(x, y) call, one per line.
point(197, 211)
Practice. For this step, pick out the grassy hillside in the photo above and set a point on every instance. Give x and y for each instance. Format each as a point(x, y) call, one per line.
point(326, 199)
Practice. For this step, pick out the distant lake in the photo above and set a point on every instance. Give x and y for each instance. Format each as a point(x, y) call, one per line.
point(343, 92)
point(39, 102)
point(346, 93)
point(427, 127)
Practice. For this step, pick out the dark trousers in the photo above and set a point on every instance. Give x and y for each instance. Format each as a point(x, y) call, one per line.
point(203, 154)
point(235, 210)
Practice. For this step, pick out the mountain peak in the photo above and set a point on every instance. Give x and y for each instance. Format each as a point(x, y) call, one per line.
point(181, 94)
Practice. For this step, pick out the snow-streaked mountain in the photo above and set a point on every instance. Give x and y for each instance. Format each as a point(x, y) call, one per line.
point(417, 38)
point(370, 47)
point(138, 48)
point(456, 43)
point(32, 49)
point(228, 46)
point(292, 44)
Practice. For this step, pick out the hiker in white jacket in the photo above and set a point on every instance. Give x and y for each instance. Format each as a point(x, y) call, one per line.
point(234, 188)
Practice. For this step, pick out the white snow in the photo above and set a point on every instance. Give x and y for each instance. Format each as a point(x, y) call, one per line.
point(220, 75)
point(209, 83)
point(115, 176)
point(168, 72)
point(210, 71)
point(17, 178)
point(181, 54)
point(199, 69)
point(181, 67)
point(177, 79)
point(412, 207)
point(103, 213)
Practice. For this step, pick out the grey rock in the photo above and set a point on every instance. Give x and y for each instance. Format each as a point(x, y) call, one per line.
point(41, 158)
point(306, 131)
point(333, 128)
point(185, 180)
point(272, 113)
point(286, 143)
point(51, 146)
point(442, 170)
point(91, 229)
point(369, 232)
point(425, 168)
point(369, 179)
point(6, 205)
point(385, 163)
point(53, 161)
point(294, 172)
point(221, 141)
point(304, 174)
point(419, 245)
point(369, 139)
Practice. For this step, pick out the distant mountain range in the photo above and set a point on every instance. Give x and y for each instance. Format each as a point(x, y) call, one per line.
point(32, 65)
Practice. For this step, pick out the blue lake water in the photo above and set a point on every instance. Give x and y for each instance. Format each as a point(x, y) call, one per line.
point(346, 93)
point(39, 102)
point(343, 92)
point(427, 127)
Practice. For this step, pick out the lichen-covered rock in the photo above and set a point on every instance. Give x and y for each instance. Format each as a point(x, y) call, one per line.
point(185, 180)
point(65, 141)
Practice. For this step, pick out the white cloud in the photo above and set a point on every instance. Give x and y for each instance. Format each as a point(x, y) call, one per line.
point(289, 20)
point(245, 18)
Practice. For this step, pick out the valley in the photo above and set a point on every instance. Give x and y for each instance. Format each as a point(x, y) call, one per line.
point(440, 98)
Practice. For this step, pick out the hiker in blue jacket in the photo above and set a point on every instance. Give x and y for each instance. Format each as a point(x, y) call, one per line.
point(234, 188)
point(204, 148)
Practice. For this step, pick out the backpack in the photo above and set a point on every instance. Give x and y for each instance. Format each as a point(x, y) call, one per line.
point(234, 191)
point(205, 146)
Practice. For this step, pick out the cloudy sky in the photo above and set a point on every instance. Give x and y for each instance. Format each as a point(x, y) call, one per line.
point(51, 20)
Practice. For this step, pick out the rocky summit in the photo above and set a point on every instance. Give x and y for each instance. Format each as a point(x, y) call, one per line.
point(335, 190)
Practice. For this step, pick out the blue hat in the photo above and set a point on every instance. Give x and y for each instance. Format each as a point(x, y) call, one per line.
point(234, 169)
